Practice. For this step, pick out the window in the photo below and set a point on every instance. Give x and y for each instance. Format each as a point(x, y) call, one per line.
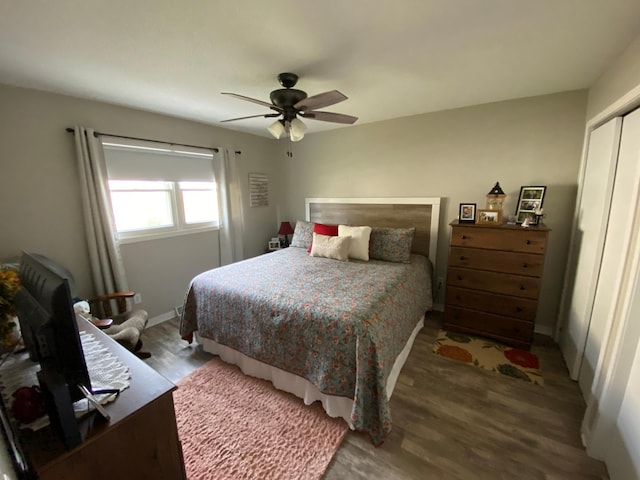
point(197, 199)
point(160, 192)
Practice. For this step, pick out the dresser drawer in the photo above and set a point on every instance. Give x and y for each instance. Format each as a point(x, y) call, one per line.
point(516, 307)
point(487, 324)
point(528, 264)
point(511, 240)
point(504, 283)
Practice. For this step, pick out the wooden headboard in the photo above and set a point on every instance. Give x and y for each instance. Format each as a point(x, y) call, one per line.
point(421, 213)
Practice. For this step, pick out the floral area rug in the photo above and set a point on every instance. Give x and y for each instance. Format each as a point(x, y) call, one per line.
point(489, 355)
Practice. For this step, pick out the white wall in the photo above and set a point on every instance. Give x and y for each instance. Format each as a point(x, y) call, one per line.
point(458, 155)
point(619, 79)
point(40, 200)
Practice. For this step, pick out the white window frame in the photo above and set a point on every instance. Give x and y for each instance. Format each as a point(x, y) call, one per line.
point(179, 227)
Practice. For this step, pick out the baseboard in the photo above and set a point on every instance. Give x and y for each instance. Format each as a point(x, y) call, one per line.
point(163, 317)
point(544, 330)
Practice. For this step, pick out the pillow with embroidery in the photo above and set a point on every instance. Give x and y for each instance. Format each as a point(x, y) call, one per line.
point(329, 246)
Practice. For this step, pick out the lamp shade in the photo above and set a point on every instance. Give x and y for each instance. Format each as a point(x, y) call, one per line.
point(285, 229)
point(276, 129)
point(297, 130)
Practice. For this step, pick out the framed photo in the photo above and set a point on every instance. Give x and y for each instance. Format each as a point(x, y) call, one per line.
point(530, 204)
point(467, 213)
point(274, 243)
point(489, 217)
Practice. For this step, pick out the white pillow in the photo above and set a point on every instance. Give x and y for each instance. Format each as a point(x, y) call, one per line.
point(330, 247)
point(359, 248)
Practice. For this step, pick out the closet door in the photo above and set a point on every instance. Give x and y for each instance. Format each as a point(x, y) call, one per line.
point(616, 247)
point(588, 241)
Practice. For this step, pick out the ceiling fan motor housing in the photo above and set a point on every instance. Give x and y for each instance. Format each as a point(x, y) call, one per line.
point(286, 98)
point(290, 102)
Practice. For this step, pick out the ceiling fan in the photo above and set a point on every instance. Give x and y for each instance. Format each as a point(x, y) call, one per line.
point(291, 103)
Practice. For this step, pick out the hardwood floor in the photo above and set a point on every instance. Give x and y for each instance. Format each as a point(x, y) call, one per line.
point(450, 420)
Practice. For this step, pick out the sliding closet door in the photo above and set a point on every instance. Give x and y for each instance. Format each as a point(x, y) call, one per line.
point(588, 240)
point(616, 247)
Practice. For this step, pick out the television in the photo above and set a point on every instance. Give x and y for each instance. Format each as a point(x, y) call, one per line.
point(50, 333)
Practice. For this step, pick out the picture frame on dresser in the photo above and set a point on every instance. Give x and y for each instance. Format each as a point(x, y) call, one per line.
point(467, 213)
point(529, 203)
point(489, 217)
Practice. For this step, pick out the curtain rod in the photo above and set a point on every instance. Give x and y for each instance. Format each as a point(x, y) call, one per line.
point(97, 134)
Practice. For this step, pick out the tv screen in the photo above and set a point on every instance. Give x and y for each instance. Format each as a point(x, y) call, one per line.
point(48, 323)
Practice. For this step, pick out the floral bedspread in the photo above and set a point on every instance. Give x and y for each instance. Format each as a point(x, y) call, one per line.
point(340, 325)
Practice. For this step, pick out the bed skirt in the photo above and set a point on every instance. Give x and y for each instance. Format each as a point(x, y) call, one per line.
point(335, 406)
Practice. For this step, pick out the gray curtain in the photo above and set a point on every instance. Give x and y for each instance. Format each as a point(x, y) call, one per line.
point(229, 200)
point(107, 267)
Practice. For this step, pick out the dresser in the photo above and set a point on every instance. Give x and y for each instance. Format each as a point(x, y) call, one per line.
point(140, 441)
point(493, 281)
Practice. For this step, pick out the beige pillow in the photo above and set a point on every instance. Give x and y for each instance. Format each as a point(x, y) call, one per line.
point(359, 246)
point(330, 247)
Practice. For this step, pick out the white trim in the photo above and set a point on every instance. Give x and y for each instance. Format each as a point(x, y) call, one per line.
point(433, 201)
point(167, 234)
point(622, 106)
point(163, 317)
point(544, 330)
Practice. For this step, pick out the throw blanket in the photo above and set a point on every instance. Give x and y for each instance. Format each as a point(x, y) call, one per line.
point(340, 325)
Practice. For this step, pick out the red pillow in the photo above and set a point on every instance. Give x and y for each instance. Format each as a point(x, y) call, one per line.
point(322, 229)
point(330, 230)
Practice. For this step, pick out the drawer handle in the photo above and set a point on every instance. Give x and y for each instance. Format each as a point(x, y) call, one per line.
point(524, 265)
point(463, 237)
point(459, 277)
point(461, 257)
point(518, 309)
point(528, 242)
point(517, 330)
point(522, 287)
point(458, 297)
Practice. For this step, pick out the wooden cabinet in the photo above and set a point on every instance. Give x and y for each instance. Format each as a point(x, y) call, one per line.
point(493, 281)
point(140, 441)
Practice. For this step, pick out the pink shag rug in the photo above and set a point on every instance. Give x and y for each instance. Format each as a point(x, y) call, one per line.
point(237, 427)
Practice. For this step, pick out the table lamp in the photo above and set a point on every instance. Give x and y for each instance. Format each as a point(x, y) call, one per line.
point(286, 230)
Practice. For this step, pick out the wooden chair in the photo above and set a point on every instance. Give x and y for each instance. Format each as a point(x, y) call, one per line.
point(127, 325)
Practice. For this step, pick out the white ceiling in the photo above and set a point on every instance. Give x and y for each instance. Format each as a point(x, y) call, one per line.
point(391, 58)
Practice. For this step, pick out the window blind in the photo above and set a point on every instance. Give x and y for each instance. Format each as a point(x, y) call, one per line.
point(152, 161)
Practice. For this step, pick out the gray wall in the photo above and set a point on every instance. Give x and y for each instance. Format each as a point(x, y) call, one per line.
point(619, 79)
point(457, 155)
point(40, 200)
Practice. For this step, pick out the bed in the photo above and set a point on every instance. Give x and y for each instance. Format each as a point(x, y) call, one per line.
point(323, 329)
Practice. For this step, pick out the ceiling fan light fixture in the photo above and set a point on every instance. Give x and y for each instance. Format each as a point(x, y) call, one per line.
point(276, 129)
point(297, 130)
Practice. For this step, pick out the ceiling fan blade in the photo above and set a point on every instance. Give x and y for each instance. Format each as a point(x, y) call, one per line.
point(252, 100)
point(265, 115)
point(330, 117)
point(320, 100)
